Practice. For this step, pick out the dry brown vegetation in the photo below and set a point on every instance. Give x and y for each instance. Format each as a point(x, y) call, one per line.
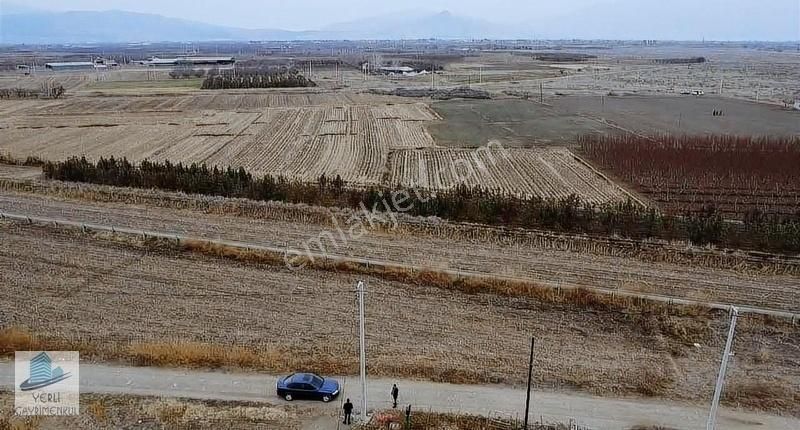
point(351, 141)
point(653, 315)
point(541, 172)
point(117, 412)
point(674, 270)
point(775, 396)
point(421, 420)
point(653, 251)
point(651, 428)
point(366, 140)
point(460, 335)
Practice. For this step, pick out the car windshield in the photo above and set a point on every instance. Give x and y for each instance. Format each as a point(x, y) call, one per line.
point(316, 381)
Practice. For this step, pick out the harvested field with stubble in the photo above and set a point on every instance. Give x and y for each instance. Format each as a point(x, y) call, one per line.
point(145, 296)
point(291, 137)
point(367, 140)
point(550, 173)
point(671, 270)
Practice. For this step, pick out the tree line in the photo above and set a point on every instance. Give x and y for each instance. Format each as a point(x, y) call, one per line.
point(461, 204)
point(186, 72)
point(47, 91)
point(256, 78)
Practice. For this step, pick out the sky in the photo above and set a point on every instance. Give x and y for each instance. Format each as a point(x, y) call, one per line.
point(622, 19)
point(316, 14)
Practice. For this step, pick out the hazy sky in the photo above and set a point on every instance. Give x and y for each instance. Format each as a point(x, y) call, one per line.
point(314, 14)
point(683, 19)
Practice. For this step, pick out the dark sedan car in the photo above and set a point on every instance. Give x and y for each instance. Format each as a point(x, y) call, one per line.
point(307, 386)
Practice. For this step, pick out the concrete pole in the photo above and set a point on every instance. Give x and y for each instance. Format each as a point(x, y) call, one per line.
point(530, 379)
point(712, 416)
point(362, 348)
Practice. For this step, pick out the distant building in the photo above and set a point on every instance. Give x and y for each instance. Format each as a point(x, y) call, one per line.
point(77, 65)
point(397, 69)
point(97, 64)
point(102, 63)
point(188, 61)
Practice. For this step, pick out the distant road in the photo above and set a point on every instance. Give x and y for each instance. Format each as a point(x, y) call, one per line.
point(372, 262)
point(595, 412)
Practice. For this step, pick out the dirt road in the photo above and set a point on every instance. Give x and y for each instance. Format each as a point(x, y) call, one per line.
point(597, 413)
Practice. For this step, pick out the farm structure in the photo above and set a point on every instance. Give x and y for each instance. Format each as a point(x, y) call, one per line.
point(87, 65)
point(188, 61)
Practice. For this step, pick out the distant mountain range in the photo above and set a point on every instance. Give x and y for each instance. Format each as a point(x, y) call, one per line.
point(120, 26)
point(625, 19)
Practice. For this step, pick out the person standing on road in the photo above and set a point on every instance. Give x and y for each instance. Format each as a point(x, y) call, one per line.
point(348, 412)
point(395, 392)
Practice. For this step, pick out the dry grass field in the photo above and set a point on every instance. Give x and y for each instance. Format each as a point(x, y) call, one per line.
point(125, 298)
point(526, 123)
point(544, 172)
point(746, 74)
point(143, 296)
point(672, 270)
point(123, 412)
point(353, 141)
point(367, 140)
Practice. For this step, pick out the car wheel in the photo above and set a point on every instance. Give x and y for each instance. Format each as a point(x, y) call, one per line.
point(326, 399)
point(288, 397)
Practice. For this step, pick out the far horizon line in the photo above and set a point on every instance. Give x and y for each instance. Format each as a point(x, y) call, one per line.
point(461, 40)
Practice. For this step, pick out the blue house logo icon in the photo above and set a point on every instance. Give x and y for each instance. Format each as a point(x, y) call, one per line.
point(42, 373)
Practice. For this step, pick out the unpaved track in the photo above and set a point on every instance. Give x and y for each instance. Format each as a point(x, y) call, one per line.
point(546, 266)
point(597, 413)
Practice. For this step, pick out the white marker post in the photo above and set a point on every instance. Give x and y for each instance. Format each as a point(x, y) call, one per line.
point(361, 290)
point(712, 416)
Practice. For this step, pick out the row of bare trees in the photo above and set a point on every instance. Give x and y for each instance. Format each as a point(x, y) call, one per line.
point(261, 77)
point(463, 204)
point(46, 92)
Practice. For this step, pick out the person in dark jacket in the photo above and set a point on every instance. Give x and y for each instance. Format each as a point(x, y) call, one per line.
point(348, 412)
point(395, 392)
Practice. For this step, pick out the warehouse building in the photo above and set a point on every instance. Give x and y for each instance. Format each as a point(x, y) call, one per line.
point(188, 61)
point(77, 65)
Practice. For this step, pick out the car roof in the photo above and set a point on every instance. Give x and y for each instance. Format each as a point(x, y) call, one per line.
point(304, 378)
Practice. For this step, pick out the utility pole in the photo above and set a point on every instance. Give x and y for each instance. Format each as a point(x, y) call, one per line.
point(712, 416)
point(530, 377)
point(362, 347)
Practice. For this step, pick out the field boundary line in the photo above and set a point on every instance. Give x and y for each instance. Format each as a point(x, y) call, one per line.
point(597, 172)
point(85, 227)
